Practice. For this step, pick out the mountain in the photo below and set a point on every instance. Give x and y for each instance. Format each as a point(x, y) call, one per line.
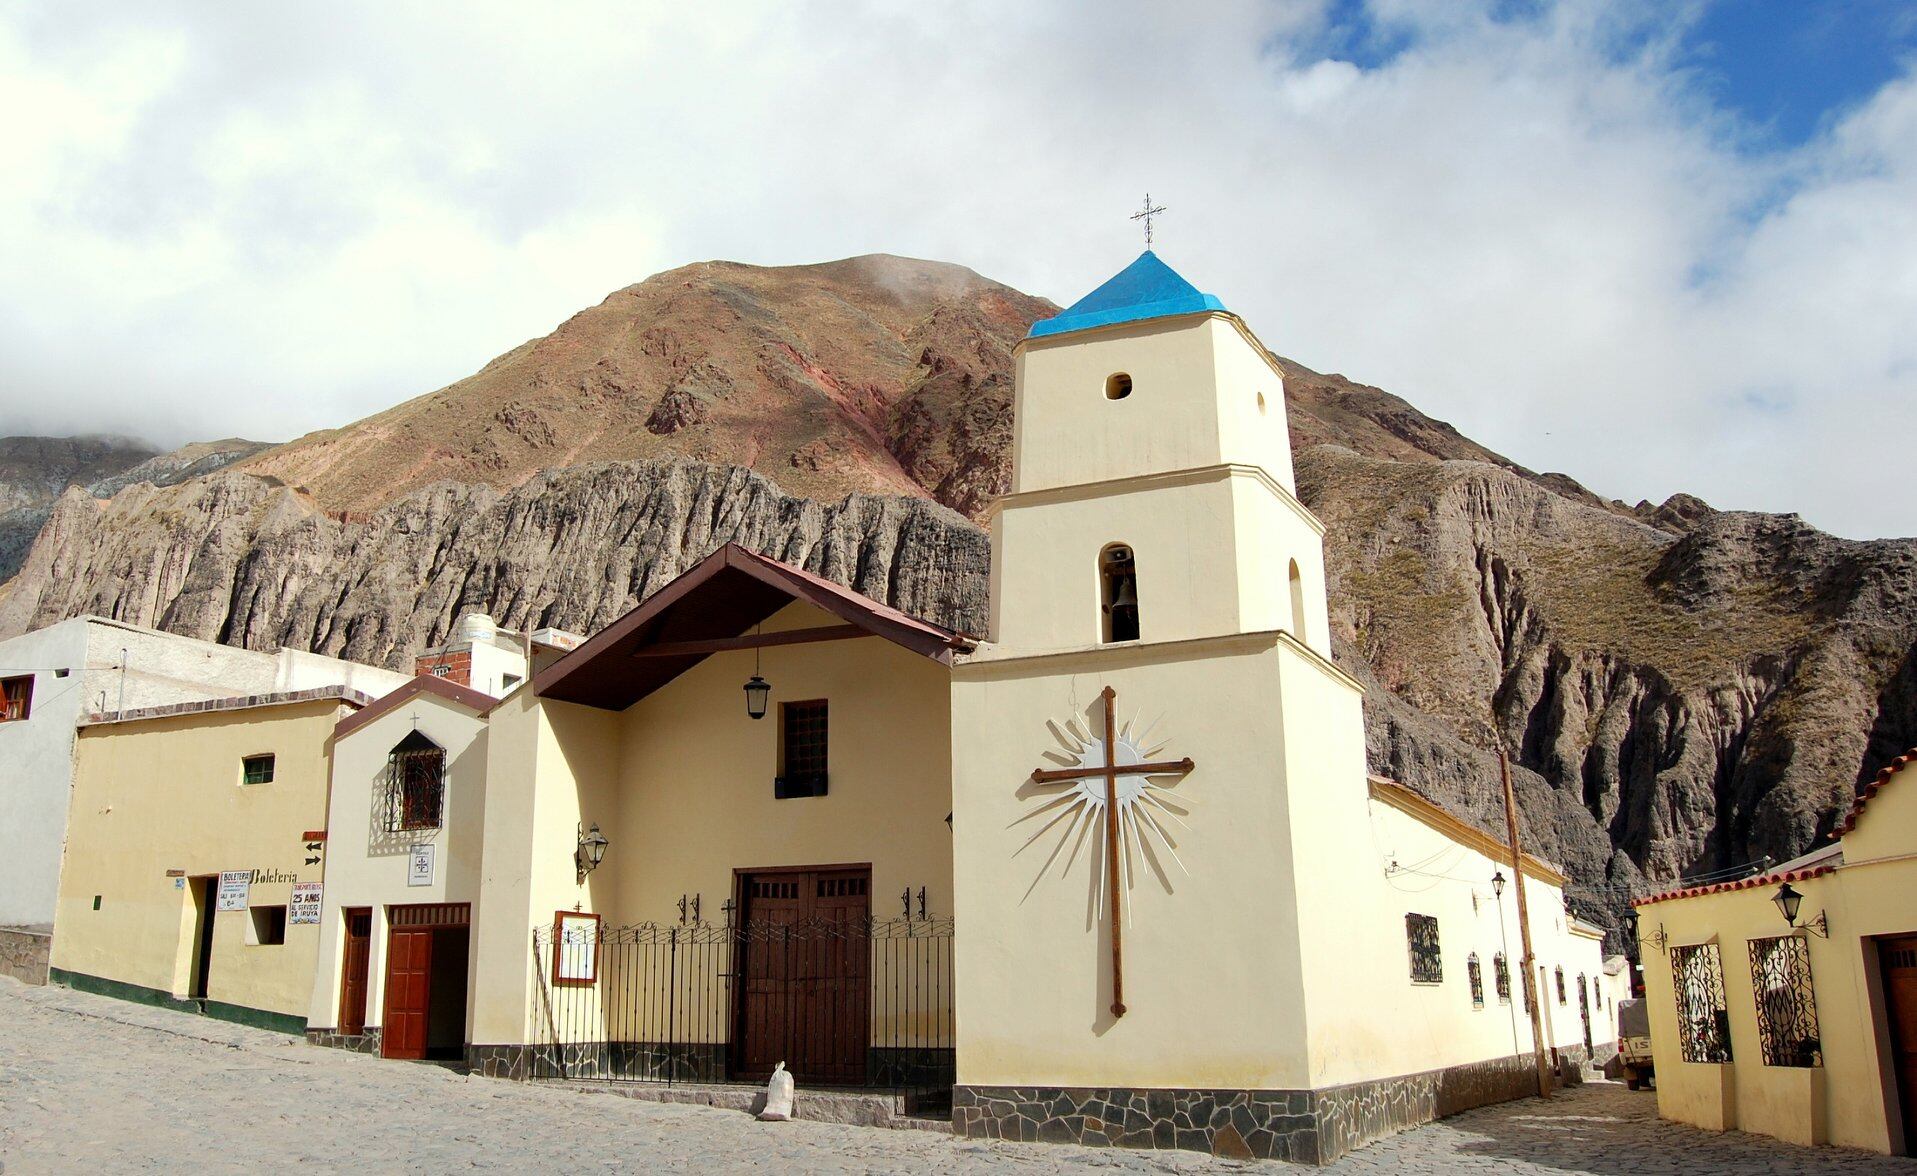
point(874, 374)
point(34, 471)
point(1682, 688)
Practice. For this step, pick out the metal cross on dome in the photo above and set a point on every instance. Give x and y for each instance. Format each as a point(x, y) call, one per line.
point(1107, 772)
point(1146, 214)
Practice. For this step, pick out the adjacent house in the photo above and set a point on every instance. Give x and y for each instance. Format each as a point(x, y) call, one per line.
point(1786, 1003)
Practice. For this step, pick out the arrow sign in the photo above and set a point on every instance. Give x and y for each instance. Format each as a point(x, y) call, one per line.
point(312, 846)
point(313, 861)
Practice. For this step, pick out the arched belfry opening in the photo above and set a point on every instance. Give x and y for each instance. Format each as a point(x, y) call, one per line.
point(1118, 386)
point(1118, 593)
point(416, 784)
point(1297, 603)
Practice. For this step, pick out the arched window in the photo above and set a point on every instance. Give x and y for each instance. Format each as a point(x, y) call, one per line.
point(1561, 997)
point(1118, 386)
point(1118, 593)
point(415, 784)
point(1297, 603)
point(1477, 980)
point(1501, 974)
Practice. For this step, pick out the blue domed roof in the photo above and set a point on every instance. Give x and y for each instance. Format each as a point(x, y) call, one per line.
point(1145, 289)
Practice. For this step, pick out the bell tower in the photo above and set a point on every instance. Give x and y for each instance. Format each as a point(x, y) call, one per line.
point(1152, 495)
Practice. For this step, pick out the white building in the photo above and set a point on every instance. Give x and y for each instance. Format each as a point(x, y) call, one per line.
point(52, 678)
point(489, 659)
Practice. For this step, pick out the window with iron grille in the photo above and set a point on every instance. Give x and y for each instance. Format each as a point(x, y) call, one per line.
point(1786, 1008)
point(1501, 976)
point(415, 784)
point(16, 698)
point(801, 750)
point(1477, 980)
point(1703, 1023)
point(256, 769)
point(1561, 997)
point(1421, 936)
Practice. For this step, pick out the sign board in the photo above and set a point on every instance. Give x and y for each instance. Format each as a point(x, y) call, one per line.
point(575, 948)
point(305, 907)
point(234, 887)
point(419, 870)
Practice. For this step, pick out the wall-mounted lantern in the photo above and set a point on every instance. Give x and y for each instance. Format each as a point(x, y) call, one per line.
point(1789, 901)
point(591, 851)
point(1497, 883)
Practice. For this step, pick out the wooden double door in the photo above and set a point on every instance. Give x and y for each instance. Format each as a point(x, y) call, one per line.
point(804, 974)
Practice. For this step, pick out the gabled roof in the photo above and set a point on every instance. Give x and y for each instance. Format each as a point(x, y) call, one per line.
point(1883, 777)
point(1145, 289)
point(476, 701)
point(720, 598)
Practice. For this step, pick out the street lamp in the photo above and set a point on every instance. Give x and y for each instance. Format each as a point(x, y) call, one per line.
point(1497, 883)
point(1789, 902)
point(591, 851)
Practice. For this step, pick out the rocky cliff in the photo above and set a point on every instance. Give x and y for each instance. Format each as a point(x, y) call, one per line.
point(1683, 689)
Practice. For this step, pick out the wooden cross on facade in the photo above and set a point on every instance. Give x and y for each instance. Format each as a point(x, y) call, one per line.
point(1146, 214)
point(1110, 770)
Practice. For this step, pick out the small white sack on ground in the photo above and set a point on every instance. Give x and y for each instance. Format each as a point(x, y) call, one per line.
point(778, 1096)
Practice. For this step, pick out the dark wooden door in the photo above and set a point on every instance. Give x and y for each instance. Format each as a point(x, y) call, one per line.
point(805, 987)
point(352, 979)
point(205, 892)
point(409, 971)
point(1899, 958)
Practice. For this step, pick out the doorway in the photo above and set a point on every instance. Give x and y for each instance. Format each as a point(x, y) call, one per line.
point(352, 979)
point(804, 973)
point(1899, 960)
point(426, 967)
point(204, 891)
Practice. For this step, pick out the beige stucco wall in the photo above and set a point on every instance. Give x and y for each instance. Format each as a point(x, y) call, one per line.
point(681, 785)
point(367, 865)
point(1851, 1101)
point(165, 794)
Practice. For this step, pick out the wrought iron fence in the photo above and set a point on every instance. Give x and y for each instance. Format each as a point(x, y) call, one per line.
point(1703, 1023)
point(1786, 1007)
point(842, 1002)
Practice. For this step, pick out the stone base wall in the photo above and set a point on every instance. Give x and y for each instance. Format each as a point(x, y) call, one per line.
point(24, 954)
point(1302, 1126)
point(366, 1042)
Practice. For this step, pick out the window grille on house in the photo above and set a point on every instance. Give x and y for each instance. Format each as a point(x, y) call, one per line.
point(415, 784)
point(1561, 997)
point(1786, 1007)
point(1501, 976)
point(16, 698)
point(802, 750)
point(1703, 1023)
point(1477, 980)
point(1421, 937)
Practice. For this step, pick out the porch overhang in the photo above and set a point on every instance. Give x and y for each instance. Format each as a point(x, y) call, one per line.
point(713, 607)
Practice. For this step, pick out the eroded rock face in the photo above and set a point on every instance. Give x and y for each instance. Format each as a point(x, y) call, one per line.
point(247, 561)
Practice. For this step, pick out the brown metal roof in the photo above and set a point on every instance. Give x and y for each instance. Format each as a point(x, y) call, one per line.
point(723, 596)
point(476, 701)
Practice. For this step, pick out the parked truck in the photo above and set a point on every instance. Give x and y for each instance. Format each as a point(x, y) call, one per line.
point(1634, 1044)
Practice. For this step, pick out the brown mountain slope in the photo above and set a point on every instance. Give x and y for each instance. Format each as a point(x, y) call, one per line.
point(1683, 689)
point(870, 374)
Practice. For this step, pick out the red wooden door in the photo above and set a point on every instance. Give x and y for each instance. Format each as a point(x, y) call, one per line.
point(409, 969)
point(804, 987)
point(1899, 958)
point(352, 980)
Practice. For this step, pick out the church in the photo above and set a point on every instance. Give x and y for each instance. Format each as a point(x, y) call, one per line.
point(1113, 872)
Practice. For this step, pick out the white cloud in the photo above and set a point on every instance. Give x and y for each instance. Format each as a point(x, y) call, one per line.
point(262, 220)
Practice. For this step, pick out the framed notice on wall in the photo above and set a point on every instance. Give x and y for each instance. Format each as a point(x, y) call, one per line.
point(575, 948)
point(306, 903)
point(235, 885)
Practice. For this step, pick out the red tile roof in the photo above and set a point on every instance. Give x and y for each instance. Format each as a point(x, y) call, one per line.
point(1812, 865)
point(1873, 788)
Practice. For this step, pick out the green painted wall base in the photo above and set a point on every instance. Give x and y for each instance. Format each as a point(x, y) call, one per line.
point(218, 1010)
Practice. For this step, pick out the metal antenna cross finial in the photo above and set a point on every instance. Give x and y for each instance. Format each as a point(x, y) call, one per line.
point(1146, 214)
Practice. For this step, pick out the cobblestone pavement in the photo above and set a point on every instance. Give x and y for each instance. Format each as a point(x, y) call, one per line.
point(88, 1083)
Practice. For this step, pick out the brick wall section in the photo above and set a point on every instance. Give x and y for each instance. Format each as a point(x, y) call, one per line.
point(459, 666)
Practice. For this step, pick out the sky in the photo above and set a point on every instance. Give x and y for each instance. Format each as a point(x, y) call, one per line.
point(1660, 247)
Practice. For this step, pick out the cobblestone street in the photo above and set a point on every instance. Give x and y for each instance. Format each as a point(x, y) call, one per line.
point(93, 1084)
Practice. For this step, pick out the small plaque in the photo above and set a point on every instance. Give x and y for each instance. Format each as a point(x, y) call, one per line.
point(575, 949)
point(305, 907)
point(419, 870)
point(235, 885)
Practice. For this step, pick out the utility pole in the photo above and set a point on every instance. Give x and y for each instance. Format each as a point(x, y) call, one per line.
point(1533, 997)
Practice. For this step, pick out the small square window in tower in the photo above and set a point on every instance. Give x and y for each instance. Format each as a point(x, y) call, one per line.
point(801, 750)
point(256, 769)
point(1118, 588)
